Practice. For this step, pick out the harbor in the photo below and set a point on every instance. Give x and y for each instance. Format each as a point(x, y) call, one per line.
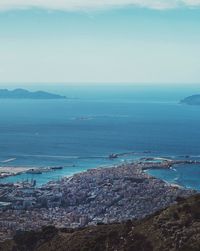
point(158, 164)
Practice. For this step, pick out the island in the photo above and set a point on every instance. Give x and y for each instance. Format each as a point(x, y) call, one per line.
point(191, 100)
point(25, 94)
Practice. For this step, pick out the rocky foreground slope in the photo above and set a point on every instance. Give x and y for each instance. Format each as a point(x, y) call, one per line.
point(174, 228)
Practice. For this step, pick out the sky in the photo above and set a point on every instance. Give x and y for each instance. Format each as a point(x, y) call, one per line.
point(99, 41)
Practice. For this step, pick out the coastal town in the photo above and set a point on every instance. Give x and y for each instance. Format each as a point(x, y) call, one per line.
point(101, 195)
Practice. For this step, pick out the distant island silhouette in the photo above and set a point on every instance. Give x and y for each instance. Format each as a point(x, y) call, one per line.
point(192, 100)
point(25, 94)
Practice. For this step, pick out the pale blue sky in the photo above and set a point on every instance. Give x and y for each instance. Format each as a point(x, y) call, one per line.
point(125, 44)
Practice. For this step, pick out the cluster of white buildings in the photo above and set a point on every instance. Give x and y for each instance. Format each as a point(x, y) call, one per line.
point(101, 195)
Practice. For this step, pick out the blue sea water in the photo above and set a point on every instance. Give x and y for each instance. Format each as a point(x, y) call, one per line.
point(80, 132)
point(185, 175)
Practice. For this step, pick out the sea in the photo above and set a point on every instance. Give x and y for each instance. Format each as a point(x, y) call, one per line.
point(96, 120)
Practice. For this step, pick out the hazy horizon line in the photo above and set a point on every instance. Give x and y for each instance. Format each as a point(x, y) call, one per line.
point(87, 5)
point(98, 84)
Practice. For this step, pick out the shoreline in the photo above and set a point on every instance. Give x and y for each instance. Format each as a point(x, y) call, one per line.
point(154, 163)
point(147, 163)
point(10, 171)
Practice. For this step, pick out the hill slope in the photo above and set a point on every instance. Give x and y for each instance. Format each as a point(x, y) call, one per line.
point(175, 228)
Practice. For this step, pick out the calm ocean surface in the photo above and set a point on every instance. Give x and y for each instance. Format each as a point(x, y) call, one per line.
point(80, 133)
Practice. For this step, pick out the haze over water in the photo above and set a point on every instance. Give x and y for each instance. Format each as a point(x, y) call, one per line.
point(80, 132)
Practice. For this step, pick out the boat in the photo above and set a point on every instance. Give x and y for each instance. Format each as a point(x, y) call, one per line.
point(56, 167)
point(113, 156)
